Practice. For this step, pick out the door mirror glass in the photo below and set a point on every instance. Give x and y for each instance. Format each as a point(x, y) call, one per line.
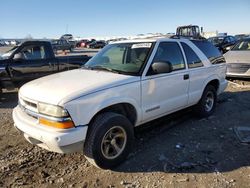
point(160, 67)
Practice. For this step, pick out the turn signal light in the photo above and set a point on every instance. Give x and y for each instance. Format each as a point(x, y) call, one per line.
point(60, 125)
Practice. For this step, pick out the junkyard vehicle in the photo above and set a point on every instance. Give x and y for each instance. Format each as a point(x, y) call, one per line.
point(62, 44)
point(193, 31)
point(223, 43)
point(97, 44)
point(89, 42)
point(67, 37)
point(241, 36)
point(82, 43)
point(238, 60)
point(31, 60)
point(128, 83)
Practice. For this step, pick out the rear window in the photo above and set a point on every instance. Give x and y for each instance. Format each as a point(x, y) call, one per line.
point(210, 51)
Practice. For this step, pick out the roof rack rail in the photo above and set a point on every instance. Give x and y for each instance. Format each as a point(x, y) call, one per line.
point(188, 37)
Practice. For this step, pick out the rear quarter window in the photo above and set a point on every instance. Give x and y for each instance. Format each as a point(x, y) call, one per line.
point(193, 60)
point(210, 51)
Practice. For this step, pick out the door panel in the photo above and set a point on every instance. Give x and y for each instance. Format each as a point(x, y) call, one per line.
point(26, 70)
point(32, 63)
point(167, 92)
point(163, 94)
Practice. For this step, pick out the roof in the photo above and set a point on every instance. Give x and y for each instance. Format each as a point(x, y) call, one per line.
point(223, 36)
point(36, 42)
point(156, 40)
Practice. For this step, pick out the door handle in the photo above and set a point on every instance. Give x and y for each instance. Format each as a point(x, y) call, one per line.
point(186, 76)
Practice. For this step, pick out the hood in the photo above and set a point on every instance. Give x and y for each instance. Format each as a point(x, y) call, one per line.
point(235, 56)
point(62, 87)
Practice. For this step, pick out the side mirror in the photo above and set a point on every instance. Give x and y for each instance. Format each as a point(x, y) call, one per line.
point(162, 67)
point(18, 56)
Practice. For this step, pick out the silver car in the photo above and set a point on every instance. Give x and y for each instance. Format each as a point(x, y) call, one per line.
point(238, 60)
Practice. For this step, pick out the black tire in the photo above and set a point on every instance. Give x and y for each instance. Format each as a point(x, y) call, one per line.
point(100, 131)
point(201, 108)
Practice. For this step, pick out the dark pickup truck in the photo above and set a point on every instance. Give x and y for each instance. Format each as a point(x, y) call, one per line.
point(31, 60)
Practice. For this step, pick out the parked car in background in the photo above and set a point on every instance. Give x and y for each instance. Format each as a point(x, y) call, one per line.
point(223, 43)
point(238, 59)
point(7, 43)
point(95, 109)
point(31, 60)
point(14, 42)
point(2, 43)
point(241, 36)
point(82, 43)
point(61, 44)
point(97, 44)
point(72, 43)
point(89, 42)
point(67, 37)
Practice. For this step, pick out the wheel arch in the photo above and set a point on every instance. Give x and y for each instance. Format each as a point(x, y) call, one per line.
point(124, 108)
point(214, 81)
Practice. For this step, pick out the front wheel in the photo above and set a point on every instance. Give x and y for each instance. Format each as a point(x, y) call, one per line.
point(207, 103)
point(109, 140)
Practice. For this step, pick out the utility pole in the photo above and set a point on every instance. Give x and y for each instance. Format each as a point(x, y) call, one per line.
point(67, 28)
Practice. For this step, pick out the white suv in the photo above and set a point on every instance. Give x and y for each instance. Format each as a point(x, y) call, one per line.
point(95, 109)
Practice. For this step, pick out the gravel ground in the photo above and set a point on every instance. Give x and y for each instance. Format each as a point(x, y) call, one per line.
point(175, 151)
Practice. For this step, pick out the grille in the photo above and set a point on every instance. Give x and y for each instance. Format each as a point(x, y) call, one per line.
point(28, 107)
point(31, 104)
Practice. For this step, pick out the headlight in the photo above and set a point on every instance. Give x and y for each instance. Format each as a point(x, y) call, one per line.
point(51, 110)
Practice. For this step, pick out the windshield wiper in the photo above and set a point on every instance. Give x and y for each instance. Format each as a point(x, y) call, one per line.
point(98, 67)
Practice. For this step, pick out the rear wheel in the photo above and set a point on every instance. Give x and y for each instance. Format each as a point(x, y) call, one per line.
point(207, 103)
point(109, 140)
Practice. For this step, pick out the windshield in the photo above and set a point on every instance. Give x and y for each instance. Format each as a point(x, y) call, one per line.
point(7, 54)
point(216, 40)
point(242, 46)
point(124, 58)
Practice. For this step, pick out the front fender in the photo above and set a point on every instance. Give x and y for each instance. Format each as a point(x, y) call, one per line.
point(83, 109)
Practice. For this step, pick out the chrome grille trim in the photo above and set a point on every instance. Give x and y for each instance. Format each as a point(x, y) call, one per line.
point(37, 115)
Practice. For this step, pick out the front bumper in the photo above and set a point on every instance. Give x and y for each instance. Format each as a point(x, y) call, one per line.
point(52, 139)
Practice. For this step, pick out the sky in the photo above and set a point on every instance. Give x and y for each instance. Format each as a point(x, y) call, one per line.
point(86, 18)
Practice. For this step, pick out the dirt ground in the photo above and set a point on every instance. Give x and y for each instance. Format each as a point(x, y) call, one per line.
point(179, 150)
